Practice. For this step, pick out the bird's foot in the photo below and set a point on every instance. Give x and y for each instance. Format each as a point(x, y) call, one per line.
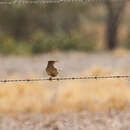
point(50, 78)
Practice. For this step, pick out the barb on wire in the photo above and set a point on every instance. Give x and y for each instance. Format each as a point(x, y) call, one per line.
point(20, 2)
point(66, 78)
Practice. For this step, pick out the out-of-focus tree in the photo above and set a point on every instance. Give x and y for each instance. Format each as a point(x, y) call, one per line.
point(115, 11)
point(21, 21)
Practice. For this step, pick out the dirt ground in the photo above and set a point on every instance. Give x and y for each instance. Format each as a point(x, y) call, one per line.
point(78, 105)
point(113, 120)
point(70, 63)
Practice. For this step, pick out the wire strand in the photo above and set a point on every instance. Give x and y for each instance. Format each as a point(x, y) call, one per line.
point(66, 78)
point(20, 2)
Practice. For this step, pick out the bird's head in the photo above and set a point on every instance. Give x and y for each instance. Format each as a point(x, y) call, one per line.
point(51, 62)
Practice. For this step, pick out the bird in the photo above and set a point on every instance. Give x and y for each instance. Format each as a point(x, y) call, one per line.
point(51, 70)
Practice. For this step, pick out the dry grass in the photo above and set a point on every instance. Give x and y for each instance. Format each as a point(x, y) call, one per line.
point(20, 103)
point(55, 96)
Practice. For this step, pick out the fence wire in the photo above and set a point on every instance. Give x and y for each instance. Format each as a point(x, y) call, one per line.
point(67, 78)
point(20, 2)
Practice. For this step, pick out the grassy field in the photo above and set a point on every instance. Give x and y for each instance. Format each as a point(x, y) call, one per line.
point(73, 95)
point(59, 105)
point(92, 95)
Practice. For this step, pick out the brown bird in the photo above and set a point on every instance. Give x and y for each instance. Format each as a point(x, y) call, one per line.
point(51, 70)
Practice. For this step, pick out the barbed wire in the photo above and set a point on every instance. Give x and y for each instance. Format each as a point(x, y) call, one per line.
point(20, 2)
point(66, 78)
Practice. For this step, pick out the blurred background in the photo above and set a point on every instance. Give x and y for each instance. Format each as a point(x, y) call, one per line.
point(41, 28)
point(90, 38)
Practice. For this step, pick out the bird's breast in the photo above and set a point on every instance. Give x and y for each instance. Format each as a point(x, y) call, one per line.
point(52, 71)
